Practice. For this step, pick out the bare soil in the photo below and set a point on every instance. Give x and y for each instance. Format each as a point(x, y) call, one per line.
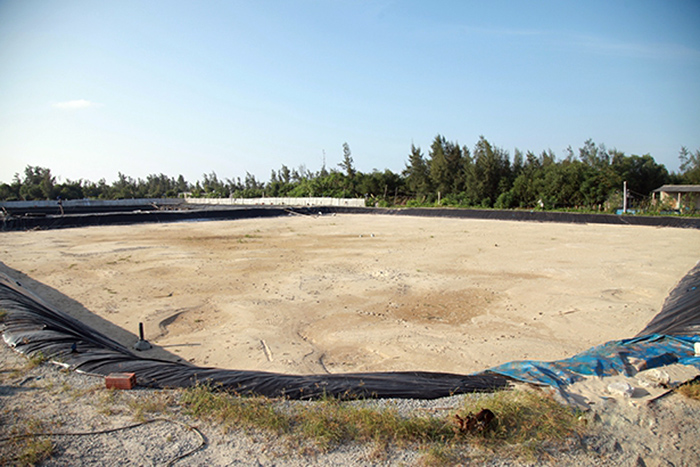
point(336, 294)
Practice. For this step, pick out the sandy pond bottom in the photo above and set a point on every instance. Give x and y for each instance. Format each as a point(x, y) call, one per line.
point(346, 293)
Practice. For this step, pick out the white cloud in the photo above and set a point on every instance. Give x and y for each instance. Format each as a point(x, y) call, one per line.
point(74, 105)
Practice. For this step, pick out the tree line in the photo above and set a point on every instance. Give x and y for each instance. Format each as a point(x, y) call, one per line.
point(590, 178)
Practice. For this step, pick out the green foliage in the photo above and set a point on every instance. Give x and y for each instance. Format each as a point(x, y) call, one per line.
point(505, 200)
point(642, 173)
point(347, 163)
point(489, 175)
point(690, 166)
point(456, 200)
point(448, 165)
point(39, 184)
point(587, 179)
point(416, 174)
point(382, 186)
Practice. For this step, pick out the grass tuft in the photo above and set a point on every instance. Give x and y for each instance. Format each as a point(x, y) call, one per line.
point(232, 411)
point(156, 403)
point(26, 451)
point(326, 423)
point(440, 454)
point(35, 450)
point(331, 422)
point(527, 424)
point(106, 401)
point(35, 360)
point(690, 390)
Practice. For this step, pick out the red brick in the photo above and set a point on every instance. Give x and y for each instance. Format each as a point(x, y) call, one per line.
point(120, 380)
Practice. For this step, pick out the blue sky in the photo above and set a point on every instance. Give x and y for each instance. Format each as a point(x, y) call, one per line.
point(93, 88)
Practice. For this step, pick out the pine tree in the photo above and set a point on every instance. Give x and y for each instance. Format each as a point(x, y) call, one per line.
point(416, 173)
point(347, 164)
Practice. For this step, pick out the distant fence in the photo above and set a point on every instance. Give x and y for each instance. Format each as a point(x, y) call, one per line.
point(25, 215)
point(74, 205)
point(349, 202)
point(90, 203)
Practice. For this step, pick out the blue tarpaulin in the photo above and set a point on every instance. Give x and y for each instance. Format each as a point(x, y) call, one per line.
point(623, 357)
point(668, 339)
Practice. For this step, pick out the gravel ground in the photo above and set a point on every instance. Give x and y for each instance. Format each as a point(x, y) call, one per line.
point(55, 400)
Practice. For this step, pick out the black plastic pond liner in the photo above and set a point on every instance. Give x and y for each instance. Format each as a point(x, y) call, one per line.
point(32, 326)
point(527, 216)
point(11, 223)
point(203, 213)
point(680, 314)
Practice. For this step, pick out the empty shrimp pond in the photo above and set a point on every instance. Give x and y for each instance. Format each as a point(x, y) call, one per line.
point(355, 292)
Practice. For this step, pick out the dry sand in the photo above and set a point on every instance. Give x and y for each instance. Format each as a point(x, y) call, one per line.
point(344, 293)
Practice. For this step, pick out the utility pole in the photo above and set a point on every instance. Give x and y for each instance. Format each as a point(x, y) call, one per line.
point(624, 197)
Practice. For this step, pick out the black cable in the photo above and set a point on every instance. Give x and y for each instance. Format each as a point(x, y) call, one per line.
point(202, 445)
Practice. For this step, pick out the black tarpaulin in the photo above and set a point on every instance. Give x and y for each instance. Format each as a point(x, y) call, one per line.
point(194, 212)
point(680, 313)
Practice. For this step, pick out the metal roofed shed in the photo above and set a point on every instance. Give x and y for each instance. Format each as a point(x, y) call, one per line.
point(679, 196)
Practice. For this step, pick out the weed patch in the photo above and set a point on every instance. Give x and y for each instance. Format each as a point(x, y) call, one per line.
point(232, 411)
point(331, 422)
point(156, 403)
point(439, 454)
point(27, 450)
point(326, 423)
point(35, 360)
point(527, 424)
point(690, 390)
